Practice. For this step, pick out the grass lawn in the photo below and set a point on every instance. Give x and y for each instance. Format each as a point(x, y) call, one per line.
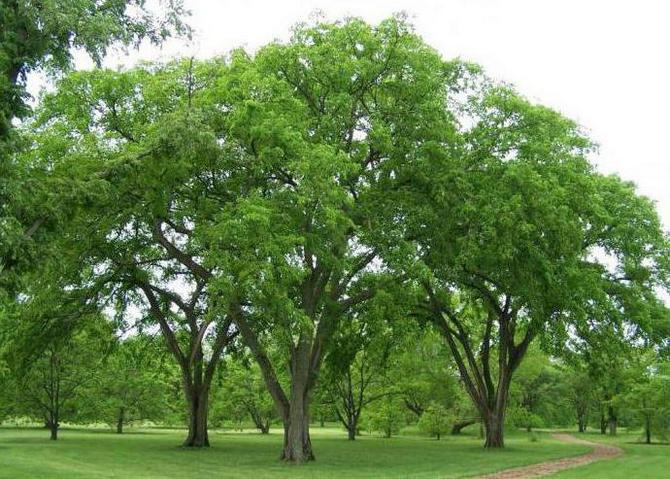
point(638, 460)
point(27, 453)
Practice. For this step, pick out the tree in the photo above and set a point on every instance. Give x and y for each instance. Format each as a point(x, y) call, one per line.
point(515, 237)
point(436, 421)
point(141, 156)
point(50, 387)
point(242, 393)
point(42, 36)
point(321, 119)
point(132, 384)
point(386, 416)
point(535, 393)
point(649, 397)
point(423, 373)
point(359, 359)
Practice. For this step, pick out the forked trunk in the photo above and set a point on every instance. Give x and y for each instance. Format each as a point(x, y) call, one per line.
point(494, 414)
point(197, 421)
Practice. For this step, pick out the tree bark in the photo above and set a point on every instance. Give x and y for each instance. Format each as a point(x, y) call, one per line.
point(197, 417)
point(603, 423)
point(297, 442)
point(493, 427)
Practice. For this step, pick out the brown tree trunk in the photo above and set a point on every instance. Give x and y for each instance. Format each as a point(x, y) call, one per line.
point(493, 427)
point(494, 414)
point(197, 420)
point(297, 442)
point(603, 423)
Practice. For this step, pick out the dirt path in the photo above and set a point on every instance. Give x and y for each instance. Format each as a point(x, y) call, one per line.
point(600, 452)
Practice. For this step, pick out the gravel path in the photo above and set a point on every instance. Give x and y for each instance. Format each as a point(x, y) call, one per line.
point(599, 453)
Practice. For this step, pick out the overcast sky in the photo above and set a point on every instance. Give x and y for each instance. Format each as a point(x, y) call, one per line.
point(605, 64)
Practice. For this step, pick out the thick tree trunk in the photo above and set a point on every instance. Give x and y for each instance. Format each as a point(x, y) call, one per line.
point(493, 426)
point(297, 443)
point(197, 421)
point(119, 422)
point(603, 423)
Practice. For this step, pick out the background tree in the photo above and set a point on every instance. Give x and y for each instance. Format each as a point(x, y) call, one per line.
point(51, 386)
point(359, 360)
point(242, 394)
point(386, 416)
point(132, 384)
point(436, 421)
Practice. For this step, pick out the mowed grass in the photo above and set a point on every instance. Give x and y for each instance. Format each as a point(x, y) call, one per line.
point(28, 453)
point(638, 460)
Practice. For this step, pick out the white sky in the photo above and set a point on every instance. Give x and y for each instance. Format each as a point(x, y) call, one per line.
point(605, 64)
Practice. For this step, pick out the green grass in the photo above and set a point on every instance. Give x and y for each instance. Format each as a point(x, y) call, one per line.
point(638, 460)
point(27, 453)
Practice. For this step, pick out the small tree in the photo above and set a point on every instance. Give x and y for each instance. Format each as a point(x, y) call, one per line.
point(386, 417)
point(436, 420)
point(648, 400)
point(243, 394)
point(132, 385)
point(50, 387)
